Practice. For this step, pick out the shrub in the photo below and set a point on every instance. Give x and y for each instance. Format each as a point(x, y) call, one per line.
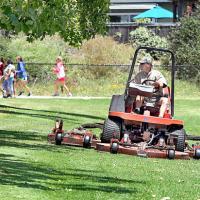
point(185, 41)
point(4, 52)
point(100, 50)
point(104, 50)
point(145, 37)
point(38, 52)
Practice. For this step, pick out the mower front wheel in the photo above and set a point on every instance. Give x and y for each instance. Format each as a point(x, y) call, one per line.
point(111, 129)
point(179, 136)
point(180, 145)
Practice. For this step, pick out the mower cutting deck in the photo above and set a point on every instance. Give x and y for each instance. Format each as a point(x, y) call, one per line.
point(75, 137)
point(149, 151)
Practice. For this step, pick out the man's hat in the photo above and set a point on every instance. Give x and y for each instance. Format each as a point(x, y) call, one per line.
point(146, 60)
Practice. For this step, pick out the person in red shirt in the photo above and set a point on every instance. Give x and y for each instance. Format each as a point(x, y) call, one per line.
point(59, 70)
point(2, 67)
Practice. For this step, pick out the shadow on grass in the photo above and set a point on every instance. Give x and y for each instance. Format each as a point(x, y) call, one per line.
point(21, 135)
point(20, 173)
point(17, 140)
point(28, 174)
point(37, 115)
point(46, 111)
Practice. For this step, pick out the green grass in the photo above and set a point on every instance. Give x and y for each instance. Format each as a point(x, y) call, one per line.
point(108, 86)
point(82, 82)
point(30, 168)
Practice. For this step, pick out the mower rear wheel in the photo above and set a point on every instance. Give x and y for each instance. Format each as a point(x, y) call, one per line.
point(58, 138)
point(180, 144)
point(111, 129)
point(86, 141)
point(114, 148)
point(171, 154)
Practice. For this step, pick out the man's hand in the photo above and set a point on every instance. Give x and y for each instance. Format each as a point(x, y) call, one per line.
point(156, 85)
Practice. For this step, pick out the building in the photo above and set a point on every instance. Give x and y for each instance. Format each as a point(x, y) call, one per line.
point(121, 15)
point(125, 10)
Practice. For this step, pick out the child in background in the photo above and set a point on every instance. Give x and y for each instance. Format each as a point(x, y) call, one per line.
point(9, 73)
point(22, 76)
point(59, 70)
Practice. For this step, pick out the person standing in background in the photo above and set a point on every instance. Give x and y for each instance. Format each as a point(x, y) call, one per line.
point(59, 70)
point(2, 66)
point(9, 73)
point(21, 73)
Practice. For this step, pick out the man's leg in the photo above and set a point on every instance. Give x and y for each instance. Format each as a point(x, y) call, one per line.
point(163, 107)
point(138, 103)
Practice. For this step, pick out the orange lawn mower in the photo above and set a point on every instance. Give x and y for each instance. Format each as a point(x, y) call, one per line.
point(135, 134)
point(144, 134)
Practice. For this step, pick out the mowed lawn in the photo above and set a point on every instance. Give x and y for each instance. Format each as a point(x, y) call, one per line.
point(30, 168)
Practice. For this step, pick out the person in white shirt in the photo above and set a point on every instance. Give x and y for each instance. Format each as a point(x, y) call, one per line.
point(9, 73)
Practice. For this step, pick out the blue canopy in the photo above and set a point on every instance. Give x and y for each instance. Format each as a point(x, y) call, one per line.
point(156, 12)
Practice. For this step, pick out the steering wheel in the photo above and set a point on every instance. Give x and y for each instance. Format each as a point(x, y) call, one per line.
point(150, 80)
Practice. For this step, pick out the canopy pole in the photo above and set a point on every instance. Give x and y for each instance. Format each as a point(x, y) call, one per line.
point(174, 11)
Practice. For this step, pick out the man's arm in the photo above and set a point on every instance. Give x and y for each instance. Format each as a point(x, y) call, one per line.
point(138, 78)
point(160, 81)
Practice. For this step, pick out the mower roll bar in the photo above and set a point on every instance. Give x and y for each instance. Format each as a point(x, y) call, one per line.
point(148, 49)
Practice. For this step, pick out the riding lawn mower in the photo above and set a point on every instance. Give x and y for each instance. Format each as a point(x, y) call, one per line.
point(144, 134)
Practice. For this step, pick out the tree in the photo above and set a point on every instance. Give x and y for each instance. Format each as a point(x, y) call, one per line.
point(74, 20)
point(185, 42)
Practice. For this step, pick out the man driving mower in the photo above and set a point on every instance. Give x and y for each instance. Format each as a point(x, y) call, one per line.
point(149, 76)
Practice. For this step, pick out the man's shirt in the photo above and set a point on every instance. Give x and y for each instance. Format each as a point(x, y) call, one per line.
point(152, 75)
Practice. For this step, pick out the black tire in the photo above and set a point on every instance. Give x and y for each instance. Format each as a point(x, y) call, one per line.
point(58, 138)
point(117, 104)
point(114, 148)
point(197, 154)
point(87, 141)
point(171, 154)
point(111, 129)
point(180, 140)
